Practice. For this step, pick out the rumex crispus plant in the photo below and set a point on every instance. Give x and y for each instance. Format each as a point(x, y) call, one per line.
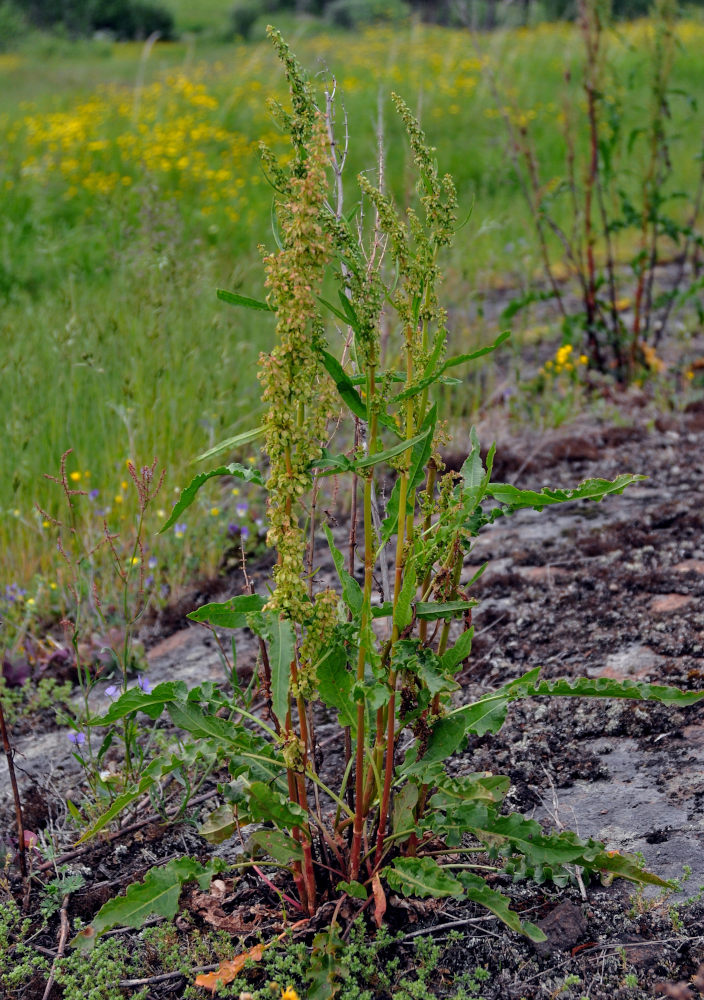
point(383, 654)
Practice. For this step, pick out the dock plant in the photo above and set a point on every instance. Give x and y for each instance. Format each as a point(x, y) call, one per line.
point(382, 651)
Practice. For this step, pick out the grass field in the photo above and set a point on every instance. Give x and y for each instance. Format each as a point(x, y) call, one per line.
point(130, 190)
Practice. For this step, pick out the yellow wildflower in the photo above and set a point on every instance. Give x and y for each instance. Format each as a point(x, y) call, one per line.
point(75, 476)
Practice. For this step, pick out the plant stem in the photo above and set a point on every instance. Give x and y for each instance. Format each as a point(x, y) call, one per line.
point(365, 629)
point(9, 754)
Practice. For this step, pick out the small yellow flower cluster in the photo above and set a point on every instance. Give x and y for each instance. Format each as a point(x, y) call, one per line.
point(564, 361)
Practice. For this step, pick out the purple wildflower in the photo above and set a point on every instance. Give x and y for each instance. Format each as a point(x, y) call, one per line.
point(94, 494)
point(241, 508)
point(144, 684)
point(77, 738)
point(152, 562)
point(112, 691)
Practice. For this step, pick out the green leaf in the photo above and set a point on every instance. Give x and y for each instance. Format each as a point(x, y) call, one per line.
point(189, 494)
point(590, 489)
point(229, 614)
point(478, 891)
point(333, 309)
point(234, 442)
point(388, 453)
point(405, 801)
point(354, 889)
point(267, 805)
point(278, 845)
point(158, 768)
point(602, 687)
point(326, 968)
point(419, 457)
point(451, 659)
point(235, 299)
point(470, 787)
point(459, 359)
point(344, 385)
point(189, 717)
point(431, 611)
point(472, 471)
point(137, 700)
point(158, 894)
point(422, 877)
point(219, 825)
point(351, 590)
point(282, 648)
point(627, 866)
point(403, 614)
point(335, 683)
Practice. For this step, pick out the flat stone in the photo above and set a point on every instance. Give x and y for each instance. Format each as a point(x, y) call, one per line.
point(541, 574)
point(564, 927)
point(664, 604)
point(635, 661)
point(690, 566)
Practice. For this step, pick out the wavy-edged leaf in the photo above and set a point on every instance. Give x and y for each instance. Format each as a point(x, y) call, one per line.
point(189, 494)
point(422, 877)
point(267, 805)
point(627, 866)
point(591, 489)
point(403, 612)
point(335, 683)
point(351, 590)
point(478, 787)
point(478, 891)
point(233, 442)
point(451, 659)
point(137, 700)
point(431, 611)
point(603, 687)
point(228, 614)
point(405, 801)
point(282, 647)
point(235, 299)
point(354, 889)
point(158, 894)
point(189, 717)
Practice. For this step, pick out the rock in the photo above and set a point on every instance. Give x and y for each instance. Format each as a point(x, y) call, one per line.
point(665, 603)
point(564, 926)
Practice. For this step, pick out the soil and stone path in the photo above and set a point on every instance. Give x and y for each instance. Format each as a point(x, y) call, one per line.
point(614, 589)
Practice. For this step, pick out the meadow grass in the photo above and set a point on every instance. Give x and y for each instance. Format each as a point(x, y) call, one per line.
point(130, 190)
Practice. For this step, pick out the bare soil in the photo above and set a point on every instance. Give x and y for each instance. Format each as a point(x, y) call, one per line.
point(612, 589)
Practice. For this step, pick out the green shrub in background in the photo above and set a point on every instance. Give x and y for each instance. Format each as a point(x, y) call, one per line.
point(354, 13)
point(13, 26)
point(126, 19)
point(243, 16)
